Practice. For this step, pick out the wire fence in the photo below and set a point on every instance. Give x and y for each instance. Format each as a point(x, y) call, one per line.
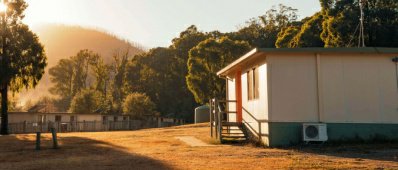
point(86, 126)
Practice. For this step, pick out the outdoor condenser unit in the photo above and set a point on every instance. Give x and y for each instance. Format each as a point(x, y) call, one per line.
point(315, 132)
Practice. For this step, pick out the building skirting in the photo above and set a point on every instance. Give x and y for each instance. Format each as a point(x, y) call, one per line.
point(284, 134)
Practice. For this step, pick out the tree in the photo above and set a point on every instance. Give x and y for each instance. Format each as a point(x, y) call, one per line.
point(22, 60)
point(138, 105)
point(119, 79)
point(181, 46)
point(310, 33)
point(101, 72)
point(70, 76)
point(13, 105)
point(341, 20)
point(304, 34)
point(262, 32)
point(160, 74)
point(205, 60)
point(286, 36)
point(81, 63)
point(62, 76)
point(86, 101)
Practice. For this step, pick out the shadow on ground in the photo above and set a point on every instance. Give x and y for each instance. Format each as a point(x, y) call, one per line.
point(377, 151)
point(18, 152)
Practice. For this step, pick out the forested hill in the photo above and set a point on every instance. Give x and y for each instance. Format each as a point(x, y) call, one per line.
point(63, 41)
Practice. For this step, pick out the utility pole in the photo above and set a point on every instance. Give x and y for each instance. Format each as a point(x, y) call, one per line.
point(361, 40)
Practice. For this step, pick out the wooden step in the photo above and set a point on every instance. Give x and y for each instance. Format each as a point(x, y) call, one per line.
point(233, 133)
point(224, 129)
point(234, 137)
point(230, 124)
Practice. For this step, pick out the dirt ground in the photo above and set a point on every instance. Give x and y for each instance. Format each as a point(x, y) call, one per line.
point(159, 149)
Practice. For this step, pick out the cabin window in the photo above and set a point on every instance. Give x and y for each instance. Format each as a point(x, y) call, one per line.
point(42, 118)
point(115, 118)
point(58, 118)
point(104, 118)
point(124, 118)
point(253, 84)
point(72, 118)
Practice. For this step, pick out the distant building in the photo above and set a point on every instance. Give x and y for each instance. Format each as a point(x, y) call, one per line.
point(37, 117)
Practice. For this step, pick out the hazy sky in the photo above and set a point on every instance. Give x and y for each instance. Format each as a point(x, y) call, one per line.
point(155, 22)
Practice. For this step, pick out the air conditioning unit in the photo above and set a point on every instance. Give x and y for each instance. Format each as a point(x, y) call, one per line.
point(315, 132)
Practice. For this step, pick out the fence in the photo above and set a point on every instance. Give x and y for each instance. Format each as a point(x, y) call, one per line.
point(86, 126)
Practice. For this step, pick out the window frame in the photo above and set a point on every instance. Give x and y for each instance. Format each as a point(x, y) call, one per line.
point(253, 84)
point(56, 118)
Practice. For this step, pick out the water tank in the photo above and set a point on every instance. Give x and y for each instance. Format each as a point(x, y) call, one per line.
point(202, 114)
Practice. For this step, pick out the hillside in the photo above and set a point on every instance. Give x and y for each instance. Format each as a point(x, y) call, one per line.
point(62, 41)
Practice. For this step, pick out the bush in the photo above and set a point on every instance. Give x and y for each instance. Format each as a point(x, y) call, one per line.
point(138, 105)
point(86, 101)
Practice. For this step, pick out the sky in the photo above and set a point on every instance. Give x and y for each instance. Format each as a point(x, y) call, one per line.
point(154, 23)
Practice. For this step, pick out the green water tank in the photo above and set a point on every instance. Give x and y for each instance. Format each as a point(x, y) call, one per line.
point(202, 114)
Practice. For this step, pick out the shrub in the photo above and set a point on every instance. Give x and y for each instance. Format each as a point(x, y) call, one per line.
point(86, 101)
point(138, 105)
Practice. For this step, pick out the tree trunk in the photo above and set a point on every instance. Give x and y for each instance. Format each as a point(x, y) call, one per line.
point(4, 109)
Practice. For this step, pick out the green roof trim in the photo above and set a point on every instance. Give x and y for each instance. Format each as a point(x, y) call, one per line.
point(254, 52)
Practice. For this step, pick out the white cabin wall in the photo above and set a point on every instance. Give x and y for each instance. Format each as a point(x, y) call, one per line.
point(359, 89)
point(293, 88)
point(257, 107)
point(89, 118)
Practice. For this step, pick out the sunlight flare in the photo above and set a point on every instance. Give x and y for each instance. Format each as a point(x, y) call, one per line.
point(3, 7)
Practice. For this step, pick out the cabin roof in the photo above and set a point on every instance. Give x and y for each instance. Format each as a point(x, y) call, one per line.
point(259, 51)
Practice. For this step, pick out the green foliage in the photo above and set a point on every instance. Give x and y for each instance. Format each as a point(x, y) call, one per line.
point(70, 76)
point(138, 105)
point(262, 32)
point(119, 80)
point(160, 73)
point(309, 34)
point(341, 19)
point(13, 104)
point(101, 72)
point(205, 60)
point(86, 101)
point(306, 34)
point(285, 37)
point(62, 76)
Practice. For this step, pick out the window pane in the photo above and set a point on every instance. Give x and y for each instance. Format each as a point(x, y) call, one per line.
point(58, 118)
point(249, 85)
point(256, 84)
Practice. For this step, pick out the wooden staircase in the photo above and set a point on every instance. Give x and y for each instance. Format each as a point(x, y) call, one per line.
point(233, 132)
point(221, 128)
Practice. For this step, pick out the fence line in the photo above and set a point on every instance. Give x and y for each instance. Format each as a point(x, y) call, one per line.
point(86, 126)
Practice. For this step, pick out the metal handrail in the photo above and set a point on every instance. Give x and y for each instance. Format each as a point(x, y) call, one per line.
point(259, 122)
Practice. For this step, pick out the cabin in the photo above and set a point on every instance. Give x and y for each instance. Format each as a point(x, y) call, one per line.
point(345, 93)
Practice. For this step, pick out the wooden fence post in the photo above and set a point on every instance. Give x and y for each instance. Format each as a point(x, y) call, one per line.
point(54, 135)
point(211, 117)
point(216, 117)
point(219, 121)
point(38, 134)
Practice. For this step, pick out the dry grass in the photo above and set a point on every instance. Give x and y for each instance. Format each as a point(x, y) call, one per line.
point(158, 149)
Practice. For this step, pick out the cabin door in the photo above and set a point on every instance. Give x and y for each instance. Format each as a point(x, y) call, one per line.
point(238, 92)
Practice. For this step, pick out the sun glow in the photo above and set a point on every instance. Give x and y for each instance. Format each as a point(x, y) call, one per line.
point(3, 7)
